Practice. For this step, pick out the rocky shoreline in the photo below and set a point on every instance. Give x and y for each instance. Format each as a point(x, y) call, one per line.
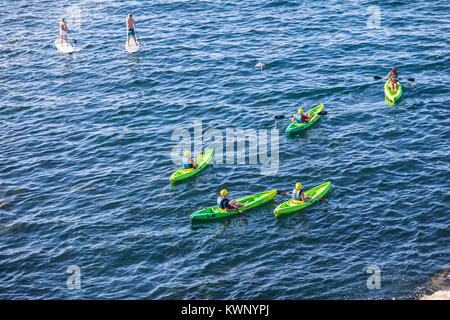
point(438, 295)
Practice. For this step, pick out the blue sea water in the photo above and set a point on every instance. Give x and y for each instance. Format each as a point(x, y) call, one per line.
point(86, 144)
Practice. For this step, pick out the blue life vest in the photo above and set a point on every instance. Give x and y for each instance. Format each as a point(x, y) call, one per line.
point(299, 118)
point(185, 163)
point(297, 196)
point(219, 202)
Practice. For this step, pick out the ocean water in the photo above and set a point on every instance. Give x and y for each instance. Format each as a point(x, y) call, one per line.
point(87, 139)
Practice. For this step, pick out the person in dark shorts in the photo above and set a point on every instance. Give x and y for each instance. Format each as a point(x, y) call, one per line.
point(131, 28)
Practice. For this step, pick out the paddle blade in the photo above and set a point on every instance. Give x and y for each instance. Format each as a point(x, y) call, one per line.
point(411, 79)
point(281, 192)
point(279, 117)
point(74, 41)
point(377, 77)
point(322, 113)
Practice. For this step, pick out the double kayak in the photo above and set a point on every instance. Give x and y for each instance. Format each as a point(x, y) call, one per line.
point(202, 160)
point(292, 206)
point(215, 212)
point(294, 127)
point(392, 98)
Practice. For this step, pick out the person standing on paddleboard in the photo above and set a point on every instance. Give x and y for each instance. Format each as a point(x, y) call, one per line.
point(63, 31)
point(131, 28)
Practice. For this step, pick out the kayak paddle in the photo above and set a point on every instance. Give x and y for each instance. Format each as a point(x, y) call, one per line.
point(283, 193)
point(243, 212)
point(379, 78)
point(321, 113)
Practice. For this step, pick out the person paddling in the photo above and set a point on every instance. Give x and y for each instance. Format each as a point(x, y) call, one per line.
point(298, 195)
point(300, 117)
point(187, 161)
point(131, 28)
point(393, 77)
point(63, 31)
point(224, 204)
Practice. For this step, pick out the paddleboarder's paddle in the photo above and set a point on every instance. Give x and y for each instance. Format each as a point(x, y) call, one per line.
point(141, 43)
point(73, 40)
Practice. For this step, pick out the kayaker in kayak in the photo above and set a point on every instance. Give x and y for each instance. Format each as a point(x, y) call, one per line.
point(224, 204)
point(393, 77)
point(187, 161)
point(300, 117)
point(298, 195)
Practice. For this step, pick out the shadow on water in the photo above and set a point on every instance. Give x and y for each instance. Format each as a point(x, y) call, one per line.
point(292, 224)
point(133, 59)
point(235, 220)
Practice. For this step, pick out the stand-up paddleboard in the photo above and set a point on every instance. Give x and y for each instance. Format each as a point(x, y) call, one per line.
point(64, 48)
point(131, 46)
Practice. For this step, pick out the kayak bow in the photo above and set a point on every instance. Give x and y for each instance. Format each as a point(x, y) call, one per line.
point(392, 98)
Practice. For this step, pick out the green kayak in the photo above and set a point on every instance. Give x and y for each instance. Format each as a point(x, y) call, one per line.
point(392, 98)
point(294, 127)
point(254, 200)
point(291, 206)
point(203, 160)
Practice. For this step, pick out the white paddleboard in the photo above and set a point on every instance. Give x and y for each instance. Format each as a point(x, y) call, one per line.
point(131, 47)
point(64, 48)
